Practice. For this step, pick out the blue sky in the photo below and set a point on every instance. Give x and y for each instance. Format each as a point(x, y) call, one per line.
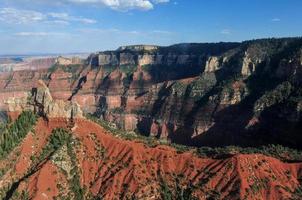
point(66, 26)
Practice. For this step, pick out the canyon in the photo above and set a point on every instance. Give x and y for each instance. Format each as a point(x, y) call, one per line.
point(188, 121)
point(216, 94)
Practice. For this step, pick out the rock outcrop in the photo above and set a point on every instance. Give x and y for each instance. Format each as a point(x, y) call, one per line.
point(182, 54)
point(41, 101)
point(212, 65)
point(68, 61)
point(197, 94)
point(139, 48)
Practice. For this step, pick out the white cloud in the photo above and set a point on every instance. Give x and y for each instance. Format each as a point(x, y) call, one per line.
point(67, 18)
point(121, 5)
point(15, 16)
point(161, 1)
point(161, 32)
point(59, 22)
point(98, 30)
point(81, 39)
point(124, 4)
point(125, 32)
point(38, 34)
point(226, 32)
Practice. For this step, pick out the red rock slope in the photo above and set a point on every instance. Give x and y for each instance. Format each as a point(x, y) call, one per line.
point(112, 168)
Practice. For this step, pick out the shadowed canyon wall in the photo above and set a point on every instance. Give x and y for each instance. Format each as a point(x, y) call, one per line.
point(198, 94)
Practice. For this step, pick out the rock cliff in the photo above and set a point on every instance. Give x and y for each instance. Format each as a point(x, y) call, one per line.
point(41, 101)
point(68, 61)
point(245, 93)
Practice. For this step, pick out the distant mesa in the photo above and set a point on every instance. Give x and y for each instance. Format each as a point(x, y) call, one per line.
point(138, 48)
point(68, 61)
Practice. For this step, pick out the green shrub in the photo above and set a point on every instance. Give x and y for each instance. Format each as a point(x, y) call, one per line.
point(15, 133)
point(165, 192)
point(176, 192)
point(56, 140)
point(128, 69)
point(277, 151)
point(118, 110)
point(297, 194)
point(111, 128)
point(139, 112)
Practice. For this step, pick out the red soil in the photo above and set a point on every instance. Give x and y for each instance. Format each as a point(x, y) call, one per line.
point(117, 169)
point(13, 116)
point(43, 184)
point(162, 162)
point(187, 80)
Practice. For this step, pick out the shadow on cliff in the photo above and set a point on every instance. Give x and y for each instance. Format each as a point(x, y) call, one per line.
point(282, 124)
point(226, 120)
point(79, 86)
point(230, 123)
point(15, 185)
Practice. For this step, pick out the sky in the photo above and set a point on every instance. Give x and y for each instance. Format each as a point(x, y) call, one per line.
point(74, 26)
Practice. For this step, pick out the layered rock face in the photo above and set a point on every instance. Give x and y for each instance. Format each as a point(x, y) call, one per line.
point(199, 94)
point(68, 61)
point(41, 101)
